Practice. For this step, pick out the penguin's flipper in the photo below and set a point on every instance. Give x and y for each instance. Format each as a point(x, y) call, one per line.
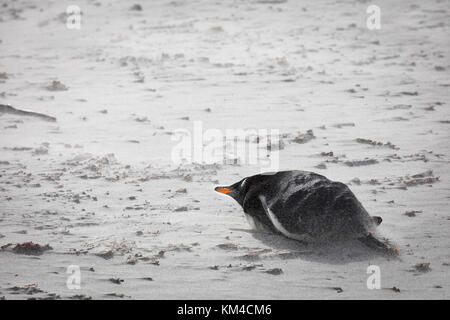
point(279, 227)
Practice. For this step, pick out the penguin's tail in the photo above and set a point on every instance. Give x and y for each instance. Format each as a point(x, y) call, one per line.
point(377, 220)
point(373, 243)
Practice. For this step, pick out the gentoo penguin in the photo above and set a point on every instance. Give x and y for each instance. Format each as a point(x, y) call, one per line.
point(305, 206)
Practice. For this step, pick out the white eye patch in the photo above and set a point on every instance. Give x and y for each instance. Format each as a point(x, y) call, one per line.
point(243, 183)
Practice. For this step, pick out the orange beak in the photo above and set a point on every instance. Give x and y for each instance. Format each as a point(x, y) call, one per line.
point(223, 190)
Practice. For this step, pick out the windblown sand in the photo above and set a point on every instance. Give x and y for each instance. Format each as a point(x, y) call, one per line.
point(98, 184)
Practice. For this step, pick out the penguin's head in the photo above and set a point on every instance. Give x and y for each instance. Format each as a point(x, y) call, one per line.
point(237, 190)
point(240, 189)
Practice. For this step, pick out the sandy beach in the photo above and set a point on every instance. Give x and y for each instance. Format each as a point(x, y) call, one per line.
point(88, 123)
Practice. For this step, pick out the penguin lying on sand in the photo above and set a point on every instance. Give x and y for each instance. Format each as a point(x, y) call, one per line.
point(305, 206)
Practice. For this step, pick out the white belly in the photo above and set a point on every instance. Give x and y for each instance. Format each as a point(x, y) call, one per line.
point(255, 224)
